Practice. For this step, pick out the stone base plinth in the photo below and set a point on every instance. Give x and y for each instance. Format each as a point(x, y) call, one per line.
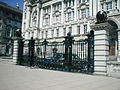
point(113, 69)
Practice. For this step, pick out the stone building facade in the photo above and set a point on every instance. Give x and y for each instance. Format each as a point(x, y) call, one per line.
point(53, 19)
point(10, 21)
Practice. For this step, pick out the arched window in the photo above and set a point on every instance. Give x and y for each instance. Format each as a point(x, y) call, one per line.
point(9, 31)
point(34, 18)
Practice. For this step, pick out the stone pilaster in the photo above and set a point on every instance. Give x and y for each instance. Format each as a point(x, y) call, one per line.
point(90, 9)
point(51, 15)
point(62, 12)
point(118, 4)
point(38, 14)
point(75, 10)
point(101, 47)
point(28, 18)
point(41, 17)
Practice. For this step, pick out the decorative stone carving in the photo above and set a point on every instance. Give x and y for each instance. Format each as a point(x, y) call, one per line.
point(101, 17)
point(32, 1)
point(34, 17)
point(18, 33)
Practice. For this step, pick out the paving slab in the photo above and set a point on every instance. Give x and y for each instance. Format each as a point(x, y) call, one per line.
point(15, 77)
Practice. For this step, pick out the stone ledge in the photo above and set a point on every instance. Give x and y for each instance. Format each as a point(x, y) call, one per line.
point(113, 63)
point(17, 38)
point(101, 26)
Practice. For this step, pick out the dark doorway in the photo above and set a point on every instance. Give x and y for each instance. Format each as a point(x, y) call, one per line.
point(113, 38)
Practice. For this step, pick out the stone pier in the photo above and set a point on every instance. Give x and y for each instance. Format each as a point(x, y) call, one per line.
point(16, 48)
point(101, 47)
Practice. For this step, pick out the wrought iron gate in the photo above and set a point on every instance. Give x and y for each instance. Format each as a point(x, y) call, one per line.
point(68, 55)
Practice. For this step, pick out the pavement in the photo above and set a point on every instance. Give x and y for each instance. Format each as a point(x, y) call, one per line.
point(15, 77)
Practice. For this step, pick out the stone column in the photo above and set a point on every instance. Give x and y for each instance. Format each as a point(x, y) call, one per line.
point(118, 4)
point(41, 17)
point(101, 47)
point(51, 16)
point(118, 59)
point(75, 10)
point(98, 6)
point(62, 12)
point(90, 9)
point(28, 18)
point(38, 15)
point(16, 48)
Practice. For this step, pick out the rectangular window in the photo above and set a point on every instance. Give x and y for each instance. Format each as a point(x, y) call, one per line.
point(46, 34)
point(24, 26)
point(102, 6)
point(72, 2)
point(0, 25)
point(65, 19)
point(72, 15)
point(83, 13)
point(57, 32)
point(52, 33)
point(69, 16)
point(64, 31)
point(42, 34)
point(109, 6)
point(25, 16)
point(54, 21)
point(87, 0)
point(85, 29)
point(60, 6)
point(57, 18)
point(69, 2)
point(78, 29)
point(83, 0)
point(87, 12)
point(70, 30)
point(79, 1)
point(78, 14)
point(82, 46)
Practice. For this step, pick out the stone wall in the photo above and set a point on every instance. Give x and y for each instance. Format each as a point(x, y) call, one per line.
point(113, 69)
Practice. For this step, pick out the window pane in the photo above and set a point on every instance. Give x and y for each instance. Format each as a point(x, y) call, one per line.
point(85, 29)
point(83, 13)
point(78, 29)
point(109, 5)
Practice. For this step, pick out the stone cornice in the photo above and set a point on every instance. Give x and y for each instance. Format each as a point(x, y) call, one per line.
point(17, 38)
point(101, 26)
point(118, 29)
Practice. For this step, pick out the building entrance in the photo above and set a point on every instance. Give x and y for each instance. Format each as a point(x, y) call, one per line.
point(113, 39)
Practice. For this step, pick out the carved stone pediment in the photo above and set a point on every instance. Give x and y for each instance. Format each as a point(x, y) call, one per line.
point(68, 9)
point(83, 5)
point(57, 13)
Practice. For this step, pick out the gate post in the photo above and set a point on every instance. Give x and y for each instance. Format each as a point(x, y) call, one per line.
point(45, 42)
point(101, 47)
point(90, 66)
point(31, 51)
point(68, 50)
point(18, 49)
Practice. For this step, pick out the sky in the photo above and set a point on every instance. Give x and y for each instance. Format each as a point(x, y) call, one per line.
point(13, 3)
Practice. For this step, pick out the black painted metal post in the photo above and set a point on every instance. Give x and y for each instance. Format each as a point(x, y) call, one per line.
point(90, 65)
point(31, 51)
point(20, 52)
point(68, 50)
point(45, 44)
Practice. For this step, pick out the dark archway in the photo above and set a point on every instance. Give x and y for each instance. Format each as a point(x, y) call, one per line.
point(113, 38)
